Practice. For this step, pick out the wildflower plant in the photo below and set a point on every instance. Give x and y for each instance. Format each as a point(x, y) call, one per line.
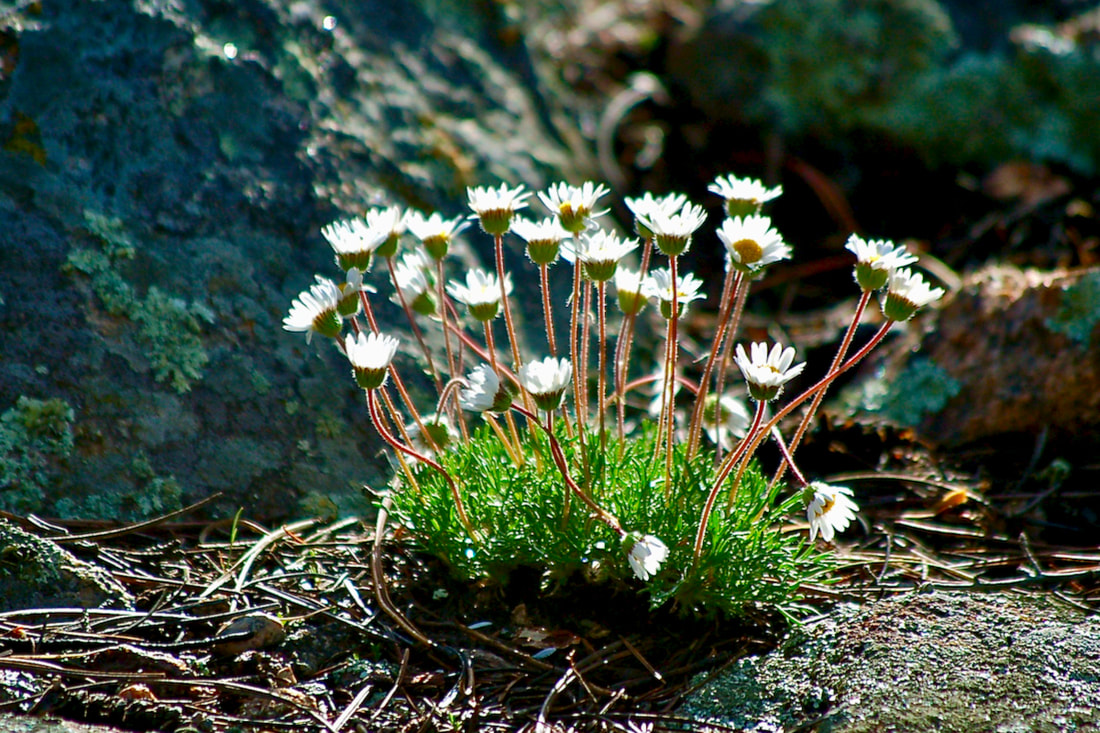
point(543, 454)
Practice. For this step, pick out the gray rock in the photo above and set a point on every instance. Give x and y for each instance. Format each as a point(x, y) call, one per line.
point(935, 661)
point(165, 169)
point(27, 724)
point(980, 364)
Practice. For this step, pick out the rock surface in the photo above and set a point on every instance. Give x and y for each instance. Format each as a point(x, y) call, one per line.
point(1011, 352)
point(935, 661)
point(165, 169)
point(37, 573)
point(26, 724)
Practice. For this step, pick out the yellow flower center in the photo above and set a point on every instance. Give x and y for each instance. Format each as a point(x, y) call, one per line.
point(748, 250)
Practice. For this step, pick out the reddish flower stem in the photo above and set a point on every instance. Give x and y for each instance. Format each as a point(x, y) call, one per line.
point(376, 418)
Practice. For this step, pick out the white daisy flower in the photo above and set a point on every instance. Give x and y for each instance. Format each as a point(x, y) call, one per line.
point(599, 253)
point(370, 355)
point(906, 291)
point(632, 290)
point(725, 419)
point(544, 238)
point(354, 241)
point(350, 300)
point(687, 290)
point(547, 381)
point(672, 232)
point(744, 196)
point(413, 283)
point(830, 509)
point(481, 293)
point(646, 555)
point(391, 221)
point(485, 392)
point(766, 372)
point(646, 206)
point(315, 310)
point(438, 429)
point(657, 390)
point(751, 243)
point(435, 232)
point(875, 260)
point(495, 207)
point(574, 206)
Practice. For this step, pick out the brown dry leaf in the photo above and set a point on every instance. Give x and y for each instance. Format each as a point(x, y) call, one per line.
point(136, 692)
point(266, 707)
point(952, 499)
point(1031, 183)
point(264, 630)
point(540, 638)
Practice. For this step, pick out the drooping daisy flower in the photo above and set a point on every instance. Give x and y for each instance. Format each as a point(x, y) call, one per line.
point(744, 196)
point(438, 433)
point(906, 291)
point(751, 243)
point(687, 290)
point(574, 206)
point(390, 221)
point(646, 206)
point(672, 232)
point(725, 419)
point(485, 392)
point(544, 238)
point(350, 300)
point(435, 232)
point(370, 355)
point(315, 310)
point(411, 276)
point(632, 290)
point(353, 241)
point(495, 207)
point(645, 554)
point(547, 381)
point(766, 372)
point(599, 253)
point(875, 260)
point(481, 293)
point(657, 390)
point(829, 509)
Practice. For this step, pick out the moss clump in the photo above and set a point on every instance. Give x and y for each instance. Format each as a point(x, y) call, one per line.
point(846, 61)
point(922, 388)
point(37, 573)
point(35, 436)
point(150, 495)
point(169, 328)
point(1079, 311)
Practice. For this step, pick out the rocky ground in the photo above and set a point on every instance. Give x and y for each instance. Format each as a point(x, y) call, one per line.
point(165, 169)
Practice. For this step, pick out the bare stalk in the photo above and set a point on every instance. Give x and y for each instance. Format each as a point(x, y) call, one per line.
point(704, 518)
point(730, 289)
point(840, 354)
point(380, 426)
point(749, 445)
point(559, 460)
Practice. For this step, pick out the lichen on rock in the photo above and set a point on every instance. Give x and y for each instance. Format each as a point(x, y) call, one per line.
point(925, 661)
point(37, 573)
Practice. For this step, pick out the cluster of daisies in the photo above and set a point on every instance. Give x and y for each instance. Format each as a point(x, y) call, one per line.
point(477, 371)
